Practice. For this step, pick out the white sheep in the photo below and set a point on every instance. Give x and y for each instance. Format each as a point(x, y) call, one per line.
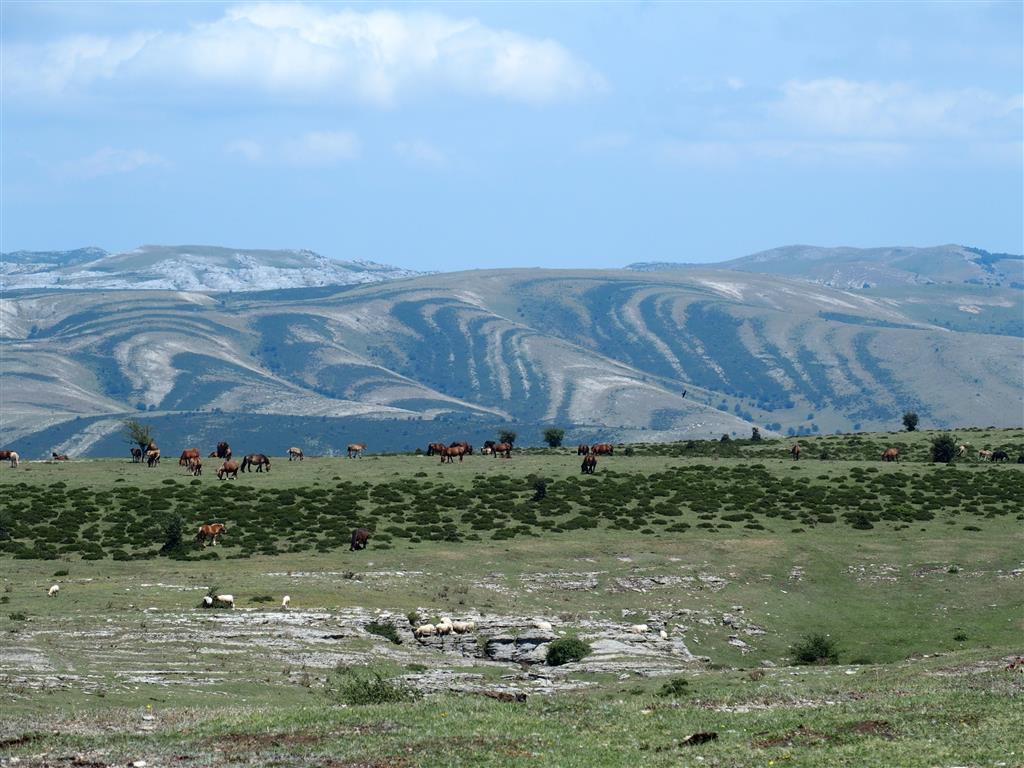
point(639, 629)
point(226, 600)
point(543, 626)
point(285, 601)
point(424, 630)
point(52, 591)
point(461, 627)
point(208, 602)
point(664, 634)
point(444, 628)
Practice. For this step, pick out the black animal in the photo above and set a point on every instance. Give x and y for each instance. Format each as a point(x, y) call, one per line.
point(1000, 456)
point(136, 455)
point(589, 464)
point(360, 538)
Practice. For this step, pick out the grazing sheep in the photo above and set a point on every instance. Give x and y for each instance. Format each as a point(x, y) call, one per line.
point(639, 629)
point(444, 629)
point(285, 601)
point(222, 600)
point(424, 630)
point(664, 634)
point(52, 591)
point(543, 626)
point(208, 602)
point(462, 627)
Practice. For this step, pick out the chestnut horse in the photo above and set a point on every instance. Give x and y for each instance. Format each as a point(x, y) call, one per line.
point(589, 464)
point(195, 466)
point(464, 445)
point(602, 449)
point(257, 460)
point(502, 449)
point(360, 538)
point(228, 468)
point(59, 457)
point(355, 450)
point(11, 456)
point(890, 454)
point(152, 457)
point(435, 448)
point(187, 455)
point(795, 452)
point(449, 454)
point(296, 454)
point(210, 532)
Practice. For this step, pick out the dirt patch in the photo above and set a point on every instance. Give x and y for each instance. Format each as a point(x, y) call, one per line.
point(798, 737)
point(880, 728)
point(20, 741)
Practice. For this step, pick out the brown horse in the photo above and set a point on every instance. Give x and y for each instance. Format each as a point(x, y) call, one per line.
point(11, 456)
point(59, 457)
point(223, 451)
point(136, 455)
point(602, 449)
point(187, 455)
point(152, 457)
point(360, 538)
point(355, 450)
point(435, 448)
point(462, 444)
point(195, 466)
point(257, 460)
point(490, 444)
point(890, 454)
point(795, 452)
point(502, 449)
point(228, 468)
point(449, 454)
point(209, 533)
point(589, 464)
point(296, 454)
point(582, 449)
point(152, 446)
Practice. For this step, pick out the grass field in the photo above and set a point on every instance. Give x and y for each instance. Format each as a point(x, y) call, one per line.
point(915, 570)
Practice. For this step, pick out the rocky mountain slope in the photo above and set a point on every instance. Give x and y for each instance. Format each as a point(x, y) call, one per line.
point(606, 354)
point(185, 268)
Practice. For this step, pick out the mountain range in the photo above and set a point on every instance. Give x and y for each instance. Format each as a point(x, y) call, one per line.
point(291, 354)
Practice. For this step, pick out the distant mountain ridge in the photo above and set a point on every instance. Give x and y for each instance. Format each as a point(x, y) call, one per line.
point(197, 268)
point(860, 268)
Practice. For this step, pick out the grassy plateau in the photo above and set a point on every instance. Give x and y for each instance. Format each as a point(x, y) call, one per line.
point(911, 574)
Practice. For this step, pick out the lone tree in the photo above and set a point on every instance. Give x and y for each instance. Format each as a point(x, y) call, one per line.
point(137, 433)
point(944, 449)
point(910, 421)
point(553, 437)
point(507, 436)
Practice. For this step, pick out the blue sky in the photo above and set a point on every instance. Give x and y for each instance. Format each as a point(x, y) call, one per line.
point(455, 136)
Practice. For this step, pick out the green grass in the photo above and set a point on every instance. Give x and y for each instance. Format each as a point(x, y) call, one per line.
point(926, 602)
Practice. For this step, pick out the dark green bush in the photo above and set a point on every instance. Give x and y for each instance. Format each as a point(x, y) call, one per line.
point(387, 631)
point(355, 687)
point(815, 649)
point(675, 688)
point(565, 650)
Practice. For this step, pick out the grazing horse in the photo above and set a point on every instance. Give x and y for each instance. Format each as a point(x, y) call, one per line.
point(228, 468)
point(449, 454)
point(136, 455)
point(360, 538)
point(961, 450)
point(355, 450)
point(187, 455)
point(209, 533)
point(489, 444)
point(11, 456)
point(435, 449)
point(59, 457)
point(223, 451)
point(502, 449)
point(589, 464)
point(602, 449)
point(257, 460)
point(296, 454)
point(152, 457)
point(195, 466)
point(464, 445)
point(985, 455)
point(891, 454)
point(582, 449)
point(795, 452)
point(1000, 456)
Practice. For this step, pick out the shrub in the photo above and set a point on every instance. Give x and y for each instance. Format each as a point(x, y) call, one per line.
point(387, 631)
point(17, 616)
point(507, 436)
point(628, 451)
point(61, 572)
point(553, 437)
point(960, 637)
point(174, 529)
point(910, 421)
point(755, 434)
point(815, 649)
point(540, 489)
point(565, 650)
point(353, 686)
point(944, 449)
point(675, 688)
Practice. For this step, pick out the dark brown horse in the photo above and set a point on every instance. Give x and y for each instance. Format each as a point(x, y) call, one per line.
point(1000, 456)
point(59, 457)
point(602, 449)
point(449, 454)
point(187, 455)
point(195, 466)
point(795, 452)
point(589, 464)
point(355, 450)
point(360, 538)
point(136, 455)
point(228, 468)
point(209, 532)
point(582, 449)
point(502, 449)
point(489, 444)
point(435, 448)
point(259, 461)
point(223, 450)
point(890, 454)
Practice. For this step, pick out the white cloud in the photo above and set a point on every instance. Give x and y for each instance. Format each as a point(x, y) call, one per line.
point(311, 52)
point(423, 153)
point(321, 148)
point(847, 108)
point(109, 161)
